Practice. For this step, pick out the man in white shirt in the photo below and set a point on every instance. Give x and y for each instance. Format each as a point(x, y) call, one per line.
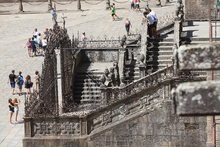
point(35, 33)
point(150, 21)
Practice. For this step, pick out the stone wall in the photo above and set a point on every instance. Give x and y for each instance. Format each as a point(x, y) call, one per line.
point(12, 1)
point(100, 55)
point(157, 129)
point(199, 9)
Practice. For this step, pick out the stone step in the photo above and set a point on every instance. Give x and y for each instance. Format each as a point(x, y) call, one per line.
point(165, 57)
point(86, 85)
point(161, 48)
point(84, 76)
point(159, 62)
point(87, 92)
point(159, 53)
point(95, 88)
point(87, 80)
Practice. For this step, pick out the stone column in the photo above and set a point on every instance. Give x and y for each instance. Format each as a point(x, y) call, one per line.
point(158, 3)
point(121, 64)
point(78, 5)
point(20, 6)
point(142, 69)
point(49, 5)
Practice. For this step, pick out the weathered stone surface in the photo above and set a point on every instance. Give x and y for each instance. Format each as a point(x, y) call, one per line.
point(199, 9)
point(198, 98)
point(194, 57)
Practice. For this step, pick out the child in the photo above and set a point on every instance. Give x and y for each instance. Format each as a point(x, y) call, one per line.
point(113, 12)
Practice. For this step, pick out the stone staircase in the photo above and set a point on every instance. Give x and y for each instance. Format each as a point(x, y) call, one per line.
point(159, 53)
point(131, 69)
point(87, 82)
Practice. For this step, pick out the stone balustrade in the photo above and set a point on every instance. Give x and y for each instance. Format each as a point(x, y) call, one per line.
point(113, 94)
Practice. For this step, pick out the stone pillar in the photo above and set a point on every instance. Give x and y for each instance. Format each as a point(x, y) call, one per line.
point(78, 5)
point(59, 84)
point(49, 5)
point(121, 64)
point(177, 32)
point(20, 6)
point(158, 3)
point(142, 69)
point(144, 38)
point(107, 4)
point(28, 127)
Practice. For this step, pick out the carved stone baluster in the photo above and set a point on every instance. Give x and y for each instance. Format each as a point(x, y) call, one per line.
point(104, 95)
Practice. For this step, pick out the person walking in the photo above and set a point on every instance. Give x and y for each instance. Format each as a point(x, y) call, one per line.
point(113, 12)
point(12, 78)
point(28, 84)
point(11, 109)
point(16, 102)
point(20, 82)
point(127, 26)
point(37, 81)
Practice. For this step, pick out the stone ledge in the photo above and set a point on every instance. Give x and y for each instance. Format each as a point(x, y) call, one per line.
point(197, 57)
point(198, 98)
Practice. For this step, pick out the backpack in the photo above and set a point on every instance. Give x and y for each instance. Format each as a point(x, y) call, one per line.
point(20, 80)
point(28, 44)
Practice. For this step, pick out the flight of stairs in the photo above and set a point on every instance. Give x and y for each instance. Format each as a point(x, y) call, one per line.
point(87, 83)
point(159, 53)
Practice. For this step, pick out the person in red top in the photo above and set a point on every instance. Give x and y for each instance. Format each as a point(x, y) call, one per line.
point(136, 4)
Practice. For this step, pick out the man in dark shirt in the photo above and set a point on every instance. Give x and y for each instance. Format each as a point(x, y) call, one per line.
point(12, 78)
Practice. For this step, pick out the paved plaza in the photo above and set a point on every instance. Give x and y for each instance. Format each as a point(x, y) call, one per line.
point(15, 28)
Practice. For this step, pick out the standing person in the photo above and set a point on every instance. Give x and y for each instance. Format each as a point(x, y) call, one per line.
point(20, 82)
point(127, 26)
point(46, 33)
point(154, 16)
point(33, 46)
point(132, 4)
point(113, 12)
point(150, 21)
point(11, 109)
point(37, 81)
point(137, 5)
point(54, 16)
point(12, 78)
point(44, 44)
point(28, 84)
point(35, 33)
point(16, 102)
point(28, 45)
point(84, 38)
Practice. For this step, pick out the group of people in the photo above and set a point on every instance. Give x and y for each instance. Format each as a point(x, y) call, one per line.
point(27, 82)
point(13, 108)
point(135, 5)
point(38, 43)
point(149, 14)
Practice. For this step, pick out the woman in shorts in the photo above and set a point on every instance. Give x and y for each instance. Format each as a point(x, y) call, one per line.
point(16, 102)
point(11, 109)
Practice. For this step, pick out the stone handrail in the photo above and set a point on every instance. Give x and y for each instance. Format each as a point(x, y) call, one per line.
point(111, 95)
